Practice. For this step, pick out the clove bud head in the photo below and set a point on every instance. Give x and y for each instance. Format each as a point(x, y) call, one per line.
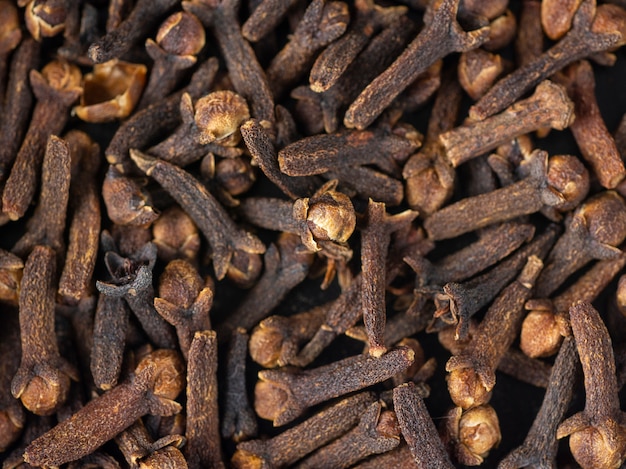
point(176, 235)
point(466, 388)
point(218, 116)
point(569, 177)
point(328, 216)
point(62, 76)
point(181, 34)
point(479, 430)
point(43, 395)
point(542, 334)
point(170, 378)
point(601, 446)
point(180, 283)
point(270, 400)
point(45, 18)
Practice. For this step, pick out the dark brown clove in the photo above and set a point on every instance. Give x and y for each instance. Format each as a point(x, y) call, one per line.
point(593, 232)
point(84, 230)
point(375, 240)
point(177, 43)
point(210, 217)
point(140, 451)
point(131, 279)
point(282, 396)
point(561, 181)
point(288, 447)
point(459, 302)
point(549, 106)
point(203, 437)
point(47, 224)
point(336, 58)
point(184, 301)
point(418, 428)
point(245, 72)
point(238, 421)
point(276, 340)
point(593, 30)
point(540, 445)
point(142, 18)
point(147, 125)
point(472, 373)
point(42, 381)
point(12, 416)
point(157, 380)
point(546, 323)
point(285, 267)
point(377, 432)
point(322, 23)
point(592, 137)
point(441, 36)
point(265, 17)
point(265, 156)
point(493, 245)
point(597, 433)
point(56, 88)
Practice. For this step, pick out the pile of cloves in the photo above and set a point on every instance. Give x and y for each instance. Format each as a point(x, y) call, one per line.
point(312, 234)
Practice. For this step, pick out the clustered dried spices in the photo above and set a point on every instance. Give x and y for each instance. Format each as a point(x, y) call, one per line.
point(219, 219)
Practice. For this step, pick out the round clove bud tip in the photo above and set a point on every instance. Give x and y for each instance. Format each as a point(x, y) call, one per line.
point(265, 345)
point(541, 334)
point(170, 378)
point(568, 176)
point(269, 400)
point(43, 396)
point(235, 175)
point(479, 430)
point(181, 34)
point(599, 447)
point(466, 388)
point(10, 32)
point(244, 268)
point(180, 283)
point(176, 235)
point(218, 116)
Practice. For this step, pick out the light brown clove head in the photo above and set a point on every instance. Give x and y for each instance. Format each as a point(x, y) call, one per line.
point(45, 18)
point(126, 202)
point(181, 34)
point(62, 76)
point(270, 400)
point(10, 32)
point(610, 19)
point(170, 379)
point(218, 116)
point(557, 16)
point(169, 457)
point(327, 216)
point(176, 235)
point(244, 268)
point(235, 175)
point(605, 218)
point(479, 431)
point(180, 283)
point(542, 334)
point(43, 395)
point(569, 177)
point(599, 447)
point(466, 388)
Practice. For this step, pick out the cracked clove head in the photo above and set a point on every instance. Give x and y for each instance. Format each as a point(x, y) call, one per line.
point(327, 216)
point(180, 283)
point(569, 177)
point(181, 34)
point(479, 430)
point(126, 202)
point(45, 18)
point(466, 388)
point(111, 91)
point(218, 116)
